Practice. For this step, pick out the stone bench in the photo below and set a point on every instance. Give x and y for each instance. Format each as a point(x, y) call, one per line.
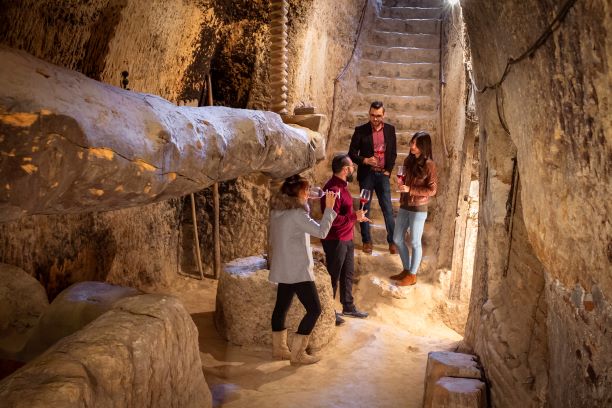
point(245, 300)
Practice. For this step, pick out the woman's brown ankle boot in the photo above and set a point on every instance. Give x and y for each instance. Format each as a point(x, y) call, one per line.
point(400, 275)
point(409, 280)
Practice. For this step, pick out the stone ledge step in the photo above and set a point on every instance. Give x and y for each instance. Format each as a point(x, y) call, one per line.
point(427, 122)
point(414, 70)
point(413, 3)
point(401, 54)
point(393, 39)
point(414, 105)
point(404, 12)
point(414, 26)
point(343, 139)
point(399, 87)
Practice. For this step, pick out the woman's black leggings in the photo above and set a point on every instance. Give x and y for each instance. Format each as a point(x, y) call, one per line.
point(307, 294)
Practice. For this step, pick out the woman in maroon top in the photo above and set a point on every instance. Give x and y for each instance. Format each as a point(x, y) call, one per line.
point(420, 185)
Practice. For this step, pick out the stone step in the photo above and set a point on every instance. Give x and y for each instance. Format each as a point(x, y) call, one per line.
point(413, 3)
point(398, 120)
point(343, 139)
point(415, 105)
point(411, 12)
point(404, 55)
point(399, 86)
point(415, 70)
point(378, 232)
point(392, 39)
point(459, 393)
point(414, 26)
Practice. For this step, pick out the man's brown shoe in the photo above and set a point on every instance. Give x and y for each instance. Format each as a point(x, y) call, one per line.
point(408, 280)
point(367, 247)
point(392, 249)
point(400, 275)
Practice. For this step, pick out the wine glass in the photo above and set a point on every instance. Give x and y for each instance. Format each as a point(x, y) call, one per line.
point(401, 175)
point(315, 193)
point(379, 153)
point(364, 197)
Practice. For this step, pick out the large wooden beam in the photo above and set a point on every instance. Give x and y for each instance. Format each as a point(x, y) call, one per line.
point(71, 144)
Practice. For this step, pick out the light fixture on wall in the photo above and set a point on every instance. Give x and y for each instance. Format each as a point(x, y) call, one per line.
point(452, 2)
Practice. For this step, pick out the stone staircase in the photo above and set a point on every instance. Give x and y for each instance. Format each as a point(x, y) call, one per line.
point(399, 66)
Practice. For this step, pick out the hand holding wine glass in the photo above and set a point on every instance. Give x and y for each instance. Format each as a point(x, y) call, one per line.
point(330, 199)
point(361, 216)
point(401, 177)
point(364, 197)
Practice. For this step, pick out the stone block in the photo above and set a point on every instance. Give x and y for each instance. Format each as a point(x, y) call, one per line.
point(313, 122)
point(22, 300)
point(142, 353)
point(451, 392)
point(447, 364)
point(245, 300)
point(70, 311)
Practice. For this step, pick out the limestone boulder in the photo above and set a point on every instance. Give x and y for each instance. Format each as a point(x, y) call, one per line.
point(448, 364)
point(451, 392)
point(71, 310)
point(79, 145)
point(22, 301)
point(141, 353)
point(245, 301)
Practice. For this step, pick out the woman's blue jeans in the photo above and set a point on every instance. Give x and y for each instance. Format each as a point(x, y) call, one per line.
point(415, 222)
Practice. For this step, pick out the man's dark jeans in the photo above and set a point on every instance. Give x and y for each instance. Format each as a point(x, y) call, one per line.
point(340, 259)
point(379, 183)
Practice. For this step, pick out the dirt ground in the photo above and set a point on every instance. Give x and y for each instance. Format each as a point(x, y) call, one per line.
point(375, 362)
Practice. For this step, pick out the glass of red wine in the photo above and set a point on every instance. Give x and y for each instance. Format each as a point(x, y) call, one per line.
point(364, 197)
point(401, 175)
point(379, 153)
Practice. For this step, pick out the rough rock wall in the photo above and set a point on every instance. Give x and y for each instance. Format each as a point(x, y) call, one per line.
point(133, 247)
point(322, 34)
point(154, 42)
point(540, 313)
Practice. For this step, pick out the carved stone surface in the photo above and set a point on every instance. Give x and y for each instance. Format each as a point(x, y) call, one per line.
point(538, 345)
point(70, 311)
point(22, 300)
point(143, 352)
point(450, 392)
point(72, 144)
point(245, 300)
point(447, 364)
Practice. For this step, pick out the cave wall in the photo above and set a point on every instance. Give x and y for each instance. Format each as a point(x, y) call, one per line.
point(167, 47)
point(540, 313)
point(450, 154)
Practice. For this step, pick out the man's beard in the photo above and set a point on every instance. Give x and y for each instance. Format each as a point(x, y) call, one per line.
point(349, 178)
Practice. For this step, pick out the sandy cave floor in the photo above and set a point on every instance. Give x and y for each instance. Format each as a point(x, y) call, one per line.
point(375, 362)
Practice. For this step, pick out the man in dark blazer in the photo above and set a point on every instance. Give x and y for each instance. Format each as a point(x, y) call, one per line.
point(373, 148)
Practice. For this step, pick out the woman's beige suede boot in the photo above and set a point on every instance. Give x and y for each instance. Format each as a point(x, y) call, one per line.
point(298, 351)
point(280, 351)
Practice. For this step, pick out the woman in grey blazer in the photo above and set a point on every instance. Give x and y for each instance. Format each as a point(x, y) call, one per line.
point(291, 264)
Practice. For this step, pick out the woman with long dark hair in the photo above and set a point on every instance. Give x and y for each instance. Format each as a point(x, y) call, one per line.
point(291, 264)
point(420, 185)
